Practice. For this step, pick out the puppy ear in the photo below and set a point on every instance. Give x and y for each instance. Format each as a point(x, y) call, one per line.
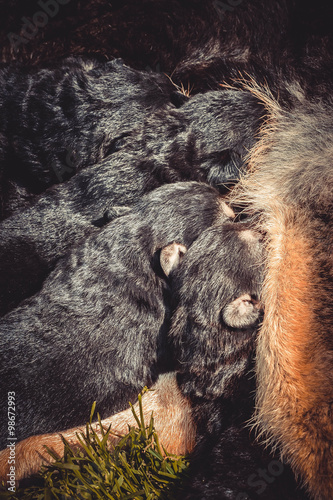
point(241, 312)
point(171, 256)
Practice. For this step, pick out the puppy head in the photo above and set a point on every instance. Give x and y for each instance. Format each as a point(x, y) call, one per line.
point(216, 303)
point(219, 279)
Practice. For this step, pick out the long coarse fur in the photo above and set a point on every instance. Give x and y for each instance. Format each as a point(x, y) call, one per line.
point(290, 186)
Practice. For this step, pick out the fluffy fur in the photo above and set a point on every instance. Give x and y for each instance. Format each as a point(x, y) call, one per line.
point(209, 260)
point(216, 316)
point(199, 39)
point(290, 186)
point(97, 329)
point(213, 334)
point(279, 43)
point(201, 141)
point(55, 121)
point(210, 398)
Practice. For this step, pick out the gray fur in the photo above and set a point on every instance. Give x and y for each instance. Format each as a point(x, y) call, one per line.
point(204, 140)
point(96, 330)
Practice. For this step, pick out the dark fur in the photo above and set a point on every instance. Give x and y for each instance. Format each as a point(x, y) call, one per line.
point(203, 140)
point(200, 38)
point(96, 329)
point(279, 42)
point(142, 32)
point(55, 121)
point(232, 466)
point(215, 363)
point(212, 355)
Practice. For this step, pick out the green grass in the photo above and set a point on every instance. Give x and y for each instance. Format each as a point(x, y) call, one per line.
point(136, 468)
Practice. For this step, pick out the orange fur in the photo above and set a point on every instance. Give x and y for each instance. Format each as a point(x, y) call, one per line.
point(294, 385)
point(290, 187)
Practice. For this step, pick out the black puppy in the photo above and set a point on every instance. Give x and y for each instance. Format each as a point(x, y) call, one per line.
point(56, 120)
point(96, 330)
point(216, 293)
point(206, 139)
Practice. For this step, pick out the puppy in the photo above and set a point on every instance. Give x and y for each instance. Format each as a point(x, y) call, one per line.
point(97, 329)
point(57, 120)
point(215, 293)
point(204, 140)
point(213, 333)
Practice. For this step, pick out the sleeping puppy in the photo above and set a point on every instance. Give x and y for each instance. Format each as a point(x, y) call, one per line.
point(215, 292)
point(97, 329)
point(206, 139)
point(213, 334)
point(57, 120)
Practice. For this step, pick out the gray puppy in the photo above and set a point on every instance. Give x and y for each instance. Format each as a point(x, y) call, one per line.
point(97, 329)
point(204, 140)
